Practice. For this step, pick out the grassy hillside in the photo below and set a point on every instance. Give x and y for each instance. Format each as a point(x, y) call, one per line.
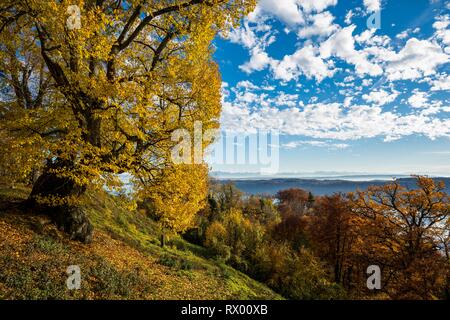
point(124, 261)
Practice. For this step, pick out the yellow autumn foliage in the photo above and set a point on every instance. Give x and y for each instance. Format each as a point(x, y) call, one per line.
point(91, 90)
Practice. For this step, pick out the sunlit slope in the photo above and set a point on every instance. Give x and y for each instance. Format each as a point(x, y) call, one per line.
point(124, 261)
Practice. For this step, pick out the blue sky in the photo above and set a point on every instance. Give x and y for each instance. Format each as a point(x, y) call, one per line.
point(343, 97)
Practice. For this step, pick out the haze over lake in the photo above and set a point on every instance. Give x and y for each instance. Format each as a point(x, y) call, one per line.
point(317, 184)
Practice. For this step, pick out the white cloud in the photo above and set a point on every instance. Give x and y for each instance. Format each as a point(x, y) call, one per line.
point(333, 121)
point(342, 45)
point(348, 101)
point(417, 59)
point(348, 17)
point(251, 111)
point(442, 22)
point(287, 11)
point(365, 36)
point(441, 83)
point(419, 99)
point(291, 12)
point(321, 25)
point(405, 34)
point(259, 60)
point(368, 37)
point(256, 37)
point(380, 97)
point(244, 36)
point(349, 79)
point(442, 32)
point(248, 85)
point(247, 97)
point(304, 61)
point(316, 5)
point(366, 82)
point(315, 143)
point(284, 99)
point(372, 5)
point(367, 54)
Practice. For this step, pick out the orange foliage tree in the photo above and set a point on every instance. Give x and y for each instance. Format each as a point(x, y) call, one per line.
point(402, 232)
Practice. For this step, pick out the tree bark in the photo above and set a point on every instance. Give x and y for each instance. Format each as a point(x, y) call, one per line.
point(69, 218)
point(163, 240)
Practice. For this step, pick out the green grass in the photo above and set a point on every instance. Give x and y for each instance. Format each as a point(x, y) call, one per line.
point(178, 254)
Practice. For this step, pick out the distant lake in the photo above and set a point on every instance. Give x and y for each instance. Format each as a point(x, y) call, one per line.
point(320, 186)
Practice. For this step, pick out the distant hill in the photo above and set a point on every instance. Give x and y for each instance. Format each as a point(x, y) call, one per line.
point(316, 186)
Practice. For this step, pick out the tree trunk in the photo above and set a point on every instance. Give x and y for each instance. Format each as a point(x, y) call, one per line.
point(163, 240)
point(69, 218)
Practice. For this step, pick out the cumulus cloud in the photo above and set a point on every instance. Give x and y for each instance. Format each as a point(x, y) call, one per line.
point(348, 101)
point(372, 5)
point(316, 5)
point(324, 50)
point(369, 38)
point(342, 45)
point(287, 11)
point(304, 61)
point(333, 121)
point(259, 60)
point(441, 83)
point(418, 58)
point(321, 24)
point(245, 84)
point(419, 99)
point(244, 36)
point(380, 97)
point(285, 99)
point(442, 31)
point(291, 12)
point(405, 34)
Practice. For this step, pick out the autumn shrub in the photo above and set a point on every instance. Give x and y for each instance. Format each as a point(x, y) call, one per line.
point(50, 245)
point(216, 235)
point(234, 239)
point(295, 274)
point(176, 262)
point(168, 261)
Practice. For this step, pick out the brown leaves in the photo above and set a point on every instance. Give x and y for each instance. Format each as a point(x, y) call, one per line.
point(405, 229)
